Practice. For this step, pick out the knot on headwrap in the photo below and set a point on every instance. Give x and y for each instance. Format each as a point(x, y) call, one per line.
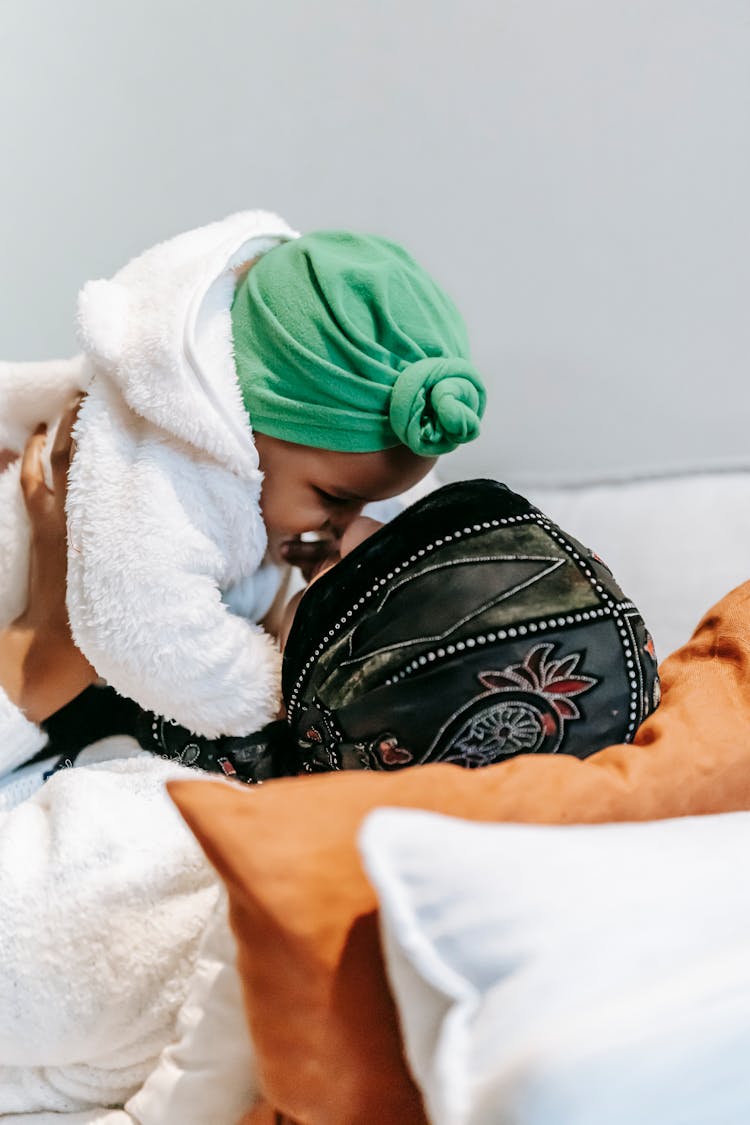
point(343, 342)
point(437, 404)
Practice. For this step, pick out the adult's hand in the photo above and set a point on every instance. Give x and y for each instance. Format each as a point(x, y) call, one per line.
point(40, 667)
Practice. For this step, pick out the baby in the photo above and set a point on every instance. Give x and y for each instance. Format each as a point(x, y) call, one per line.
point(350, 365)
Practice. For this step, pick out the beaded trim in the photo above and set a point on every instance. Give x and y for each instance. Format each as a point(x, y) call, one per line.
point(610, 608)
point(532, 627)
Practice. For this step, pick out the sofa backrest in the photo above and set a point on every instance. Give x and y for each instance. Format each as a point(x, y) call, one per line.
point(676, 544)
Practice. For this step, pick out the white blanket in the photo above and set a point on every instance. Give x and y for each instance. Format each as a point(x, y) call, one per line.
point(105, 899)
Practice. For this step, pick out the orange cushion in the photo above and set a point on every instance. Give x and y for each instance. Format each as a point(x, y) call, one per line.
point(318, 1004)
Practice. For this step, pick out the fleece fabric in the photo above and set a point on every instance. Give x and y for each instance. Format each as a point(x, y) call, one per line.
point(30, 393)
point(164, 486)
point(106, 897)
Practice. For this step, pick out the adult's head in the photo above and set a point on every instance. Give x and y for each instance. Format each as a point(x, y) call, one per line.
point(468, 630)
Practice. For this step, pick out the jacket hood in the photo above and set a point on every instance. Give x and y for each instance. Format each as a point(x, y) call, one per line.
point(160, 331)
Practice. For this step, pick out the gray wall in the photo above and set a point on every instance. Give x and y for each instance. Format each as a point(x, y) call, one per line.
point(576, 172)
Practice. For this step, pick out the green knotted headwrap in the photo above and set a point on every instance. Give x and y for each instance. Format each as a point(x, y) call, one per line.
point(343, 342)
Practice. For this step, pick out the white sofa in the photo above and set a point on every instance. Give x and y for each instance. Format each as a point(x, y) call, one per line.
point(676, 544)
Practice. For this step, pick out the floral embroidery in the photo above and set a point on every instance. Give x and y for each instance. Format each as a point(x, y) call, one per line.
point(523, 712)
point(387, 749)
point(507, 728)
point(553, 679)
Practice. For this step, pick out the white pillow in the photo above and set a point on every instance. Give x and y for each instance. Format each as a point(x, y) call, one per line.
point(569, 976)
point(676, 545)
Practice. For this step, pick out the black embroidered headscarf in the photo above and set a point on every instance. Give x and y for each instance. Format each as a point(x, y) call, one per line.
point(468, 630)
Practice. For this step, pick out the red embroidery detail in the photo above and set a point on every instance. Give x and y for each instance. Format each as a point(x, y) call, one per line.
point(392, 754)
point(541, 674)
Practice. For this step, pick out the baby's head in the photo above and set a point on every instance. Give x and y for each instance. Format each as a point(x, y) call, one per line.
point(309, 489)
point(355, 373)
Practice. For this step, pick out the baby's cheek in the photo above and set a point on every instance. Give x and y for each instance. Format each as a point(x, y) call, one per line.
point(289, 520)
point(307, 518)
point(281, 504)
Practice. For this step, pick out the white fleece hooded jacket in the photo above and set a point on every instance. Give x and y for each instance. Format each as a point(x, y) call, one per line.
point(164, 487)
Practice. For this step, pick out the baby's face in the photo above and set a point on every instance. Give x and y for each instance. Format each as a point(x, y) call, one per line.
point(306, 489)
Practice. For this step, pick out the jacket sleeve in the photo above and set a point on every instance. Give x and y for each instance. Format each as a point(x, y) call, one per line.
point(154, 534)
point(171, 644)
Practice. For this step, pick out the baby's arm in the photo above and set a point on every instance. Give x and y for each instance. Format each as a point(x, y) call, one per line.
point(153, 535)
point(178, 651)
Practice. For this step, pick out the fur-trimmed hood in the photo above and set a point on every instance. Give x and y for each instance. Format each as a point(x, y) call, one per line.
point(159, 331)
point(163, 498)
